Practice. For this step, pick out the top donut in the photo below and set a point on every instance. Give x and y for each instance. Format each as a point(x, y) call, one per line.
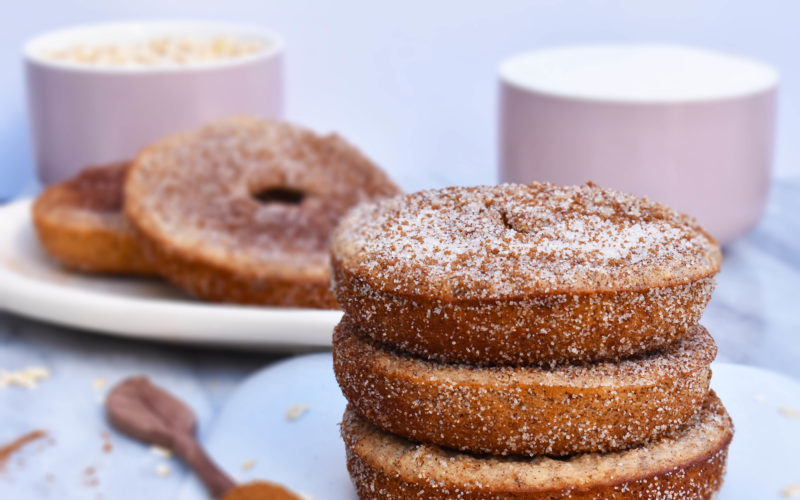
point(581, 260)
point(241, 210)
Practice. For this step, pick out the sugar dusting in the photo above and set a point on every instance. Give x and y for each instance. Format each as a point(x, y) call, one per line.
point(505, 241)
point(686, 464)
point(92, 198)
point(195, 193)
point(525, 410)
point(638, 73)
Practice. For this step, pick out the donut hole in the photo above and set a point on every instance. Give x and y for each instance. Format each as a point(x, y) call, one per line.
point(279, 195)
point(509, 224)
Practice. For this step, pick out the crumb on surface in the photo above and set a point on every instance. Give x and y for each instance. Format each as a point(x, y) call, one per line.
point(791, 491)
point(787, 411)
point(760, 398)
point(248, 464)
point(99, 384)
point(296, 411)
point(160, 451)
point(27, 378)
point(163, 470)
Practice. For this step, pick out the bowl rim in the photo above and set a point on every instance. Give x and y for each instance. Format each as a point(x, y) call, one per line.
point(506, 70)
point(32, 48)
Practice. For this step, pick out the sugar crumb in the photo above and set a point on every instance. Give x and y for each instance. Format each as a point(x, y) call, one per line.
point(294, 412)
point(27, 378)
point(163, 470)
point(160, 451)
point(789, 412)
point(791, 491)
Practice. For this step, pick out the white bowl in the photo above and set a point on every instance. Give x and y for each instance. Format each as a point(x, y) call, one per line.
point(85, 114)
point(688, 127)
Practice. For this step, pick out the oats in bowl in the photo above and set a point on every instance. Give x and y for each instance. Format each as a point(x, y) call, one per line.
point(157, 51)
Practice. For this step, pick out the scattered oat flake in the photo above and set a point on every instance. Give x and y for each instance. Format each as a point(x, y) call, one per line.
point(160, 451)
point(296, 411)
point(99, 384)
point(28, 378)
point(791, 491)
point(248, 464)
point(759, 398)
point(163, 470)
point(789, 412)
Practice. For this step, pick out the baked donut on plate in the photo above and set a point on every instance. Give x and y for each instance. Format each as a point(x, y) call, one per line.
point(687, 465)
point(80, 223)
point(525, 410)
point(523, 274)
point(241, 210)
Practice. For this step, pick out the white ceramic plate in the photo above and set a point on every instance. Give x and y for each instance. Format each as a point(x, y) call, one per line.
point(33, 285)
point(307, 454)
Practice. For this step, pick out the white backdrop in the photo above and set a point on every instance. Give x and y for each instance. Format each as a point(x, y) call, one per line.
point(413, 82)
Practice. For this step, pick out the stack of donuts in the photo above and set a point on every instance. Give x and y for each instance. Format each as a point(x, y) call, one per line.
point(527, 341)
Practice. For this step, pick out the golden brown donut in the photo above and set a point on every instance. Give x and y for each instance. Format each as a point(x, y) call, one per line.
point(688, 465)
point(515, 274)
point(524, 410)
point(241, 210)
point(80, 223)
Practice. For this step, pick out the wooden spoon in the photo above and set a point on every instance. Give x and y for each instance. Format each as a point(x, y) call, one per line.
point(149, 414)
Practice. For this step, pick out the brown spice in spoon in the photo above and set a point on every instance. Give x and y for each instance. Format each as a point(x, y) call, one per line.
point(14, 446)
point(260, 490)
point(146, 412)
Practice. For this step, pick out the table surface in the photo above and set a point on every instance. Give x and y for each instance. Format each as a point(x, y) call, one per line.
point(754, 316)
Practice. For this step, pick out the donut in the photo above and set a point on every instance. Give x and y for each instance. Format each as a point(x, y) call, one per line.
point(241, 210)
point(523, 274)
point(524, 410)
point(80, 223)
point(688, 465)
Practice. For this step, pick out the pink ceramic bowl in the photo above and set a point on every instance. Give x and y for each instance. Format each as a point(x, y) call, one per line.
point(691, 128)
point(83, 114)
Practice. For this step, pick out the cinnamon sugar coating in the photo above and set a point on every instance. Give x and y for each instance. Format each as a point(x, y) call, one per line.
point(80, 223)
point(516, 274)
point(510, 241)
point(524, 410)
point(241, 210)
point(687, 465)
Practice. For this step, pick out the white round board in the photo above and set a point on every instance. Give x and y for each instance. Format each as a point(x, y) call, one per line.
point(307, 454)
point(34, 285)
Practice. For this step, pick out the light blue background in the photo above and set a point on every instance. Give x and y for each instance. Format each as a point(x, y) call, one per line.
point(413, 83)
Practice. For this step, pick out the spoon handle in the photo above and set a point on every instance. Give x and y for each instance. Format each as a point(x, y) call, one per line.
point(214, 478)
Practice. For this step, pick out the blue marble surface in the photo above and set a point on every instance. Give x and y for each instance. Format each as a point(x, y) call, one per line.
point(754, 316)
point(754, 313)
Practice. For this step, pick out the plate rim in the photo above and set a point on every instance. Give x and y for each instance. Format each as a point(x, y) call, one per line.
point(277, 374)
point(157, 319)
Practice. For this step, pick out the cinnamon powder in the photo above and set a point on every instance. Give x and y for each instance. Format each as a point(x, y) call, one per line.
point(14, 446)
point(260, 490)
